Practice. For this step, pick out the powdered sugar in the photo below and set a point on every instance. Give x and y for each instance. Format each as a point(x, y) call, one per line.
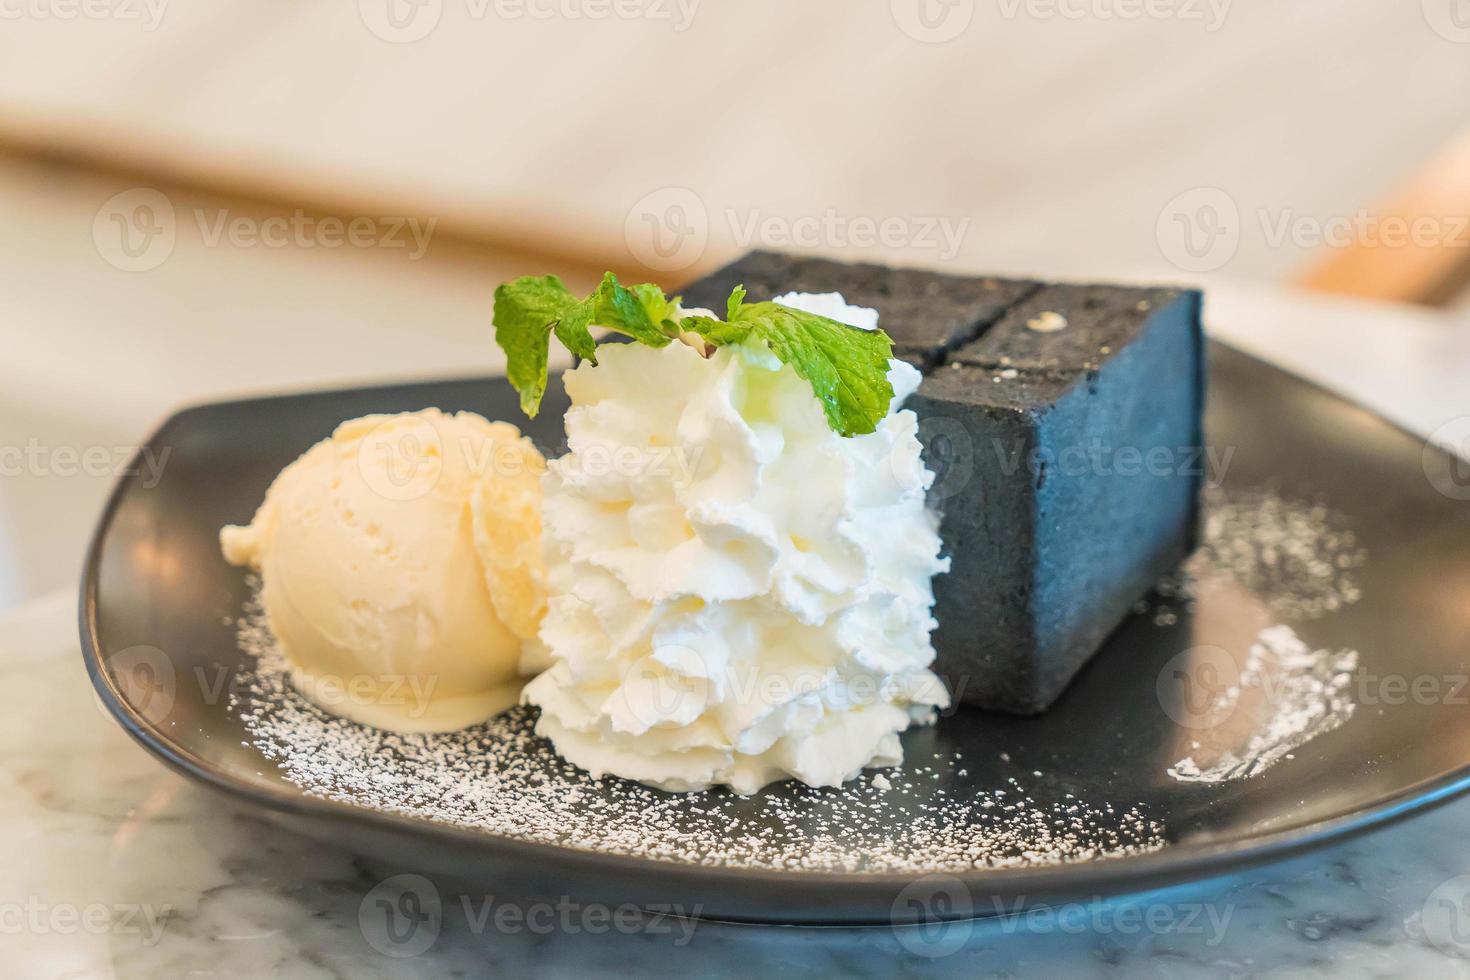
point(502, 779)
point(1286, 694)
point(1299, 556)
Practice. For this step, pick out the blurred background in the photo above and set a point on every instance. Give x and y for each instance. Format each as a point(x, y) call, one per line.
point(211, 198)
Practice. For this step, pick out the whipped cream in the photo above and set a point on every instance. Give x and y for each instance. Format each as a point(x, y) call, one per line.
point(737, 594)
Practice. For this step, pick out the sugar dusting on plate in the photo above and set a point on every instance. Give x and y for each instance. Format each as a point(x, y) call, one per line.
point(1288, 693)
point(502, 778)
point(1299, 558)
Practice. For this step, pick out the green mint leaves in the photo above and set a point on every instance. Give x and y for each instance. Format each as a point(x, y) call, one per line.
point(846, 367)
point(530, 309)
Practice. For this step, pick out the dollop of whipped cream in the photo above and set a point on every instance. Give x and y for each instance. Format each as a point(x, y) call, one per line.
point(737, 593)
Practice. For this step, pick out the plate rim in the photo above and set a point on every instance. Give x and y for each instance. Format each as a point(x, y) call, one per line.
point(1171, 864)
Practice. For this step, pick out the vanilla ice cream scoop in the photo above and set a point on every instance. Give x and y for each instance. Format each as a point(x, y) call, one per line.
point(401, 568)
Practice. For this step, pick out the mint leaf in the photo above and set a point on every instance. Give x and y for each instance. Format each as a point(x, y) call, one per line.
point(733, 304)
point(846, 367)
point(525, 309)
point(530, 309)
point(642, 312)
point(573, 330)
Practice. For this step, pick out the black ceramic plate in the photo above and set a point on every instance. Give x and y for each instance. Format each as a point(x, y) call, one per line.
point(155, 587)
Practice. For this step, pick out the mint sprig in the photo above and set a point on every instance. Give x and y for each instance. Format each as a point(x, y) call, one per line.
point(847, 367)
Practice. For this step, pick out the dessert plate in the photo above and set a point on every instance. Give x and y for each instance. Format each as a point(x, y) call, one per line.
point(1305, 679)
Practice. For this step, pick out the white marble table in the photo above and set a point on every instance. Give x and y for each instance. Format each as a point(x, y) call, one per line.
point(113, 866)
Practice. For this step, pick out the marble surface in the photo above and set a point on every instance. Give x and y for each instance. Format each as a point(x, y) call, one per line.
point(114, 866)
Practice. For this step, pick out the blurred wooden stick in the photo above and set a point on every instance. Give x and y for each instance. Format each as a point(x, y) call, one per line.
point(1414, 247)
